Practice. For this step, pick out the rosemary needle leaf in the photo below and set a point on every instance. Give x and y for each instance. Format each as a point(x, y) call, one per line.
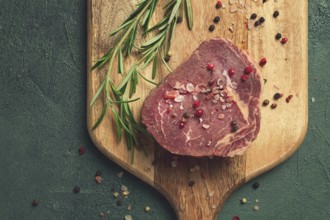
point(119, 126)
point(153, 40)
point(127, 110)
point(189, 14)
point(169, 4)
point(119, 122)
point(133, 84)
point(145, 19)
point(120, 62)
point(170, 35)
point(127, 78)
point(132, 39)
point(100, 63)
point(165, 64)
point(124, 101)
point(125, 24)
point(152, 10)
point(132, 155)
point(156, 26)
point(174, 10)
point(99, 120)
point(154, 68)
point(138, 11)
point(149, 81)
point(150, 57)
point(97, 94)
point(116, 93)
point(141, 2)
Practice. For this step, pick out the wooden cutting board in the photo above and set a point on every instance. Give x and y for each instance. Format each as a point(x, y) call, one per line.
point(282, 129)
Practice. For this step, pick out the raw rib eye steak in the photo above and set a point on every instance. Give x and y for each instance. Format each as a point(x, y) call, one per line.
point(209, 106)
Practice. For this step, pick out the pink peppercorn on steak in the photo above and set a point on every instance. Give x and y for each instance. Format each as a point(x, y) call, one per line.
point(209, 106)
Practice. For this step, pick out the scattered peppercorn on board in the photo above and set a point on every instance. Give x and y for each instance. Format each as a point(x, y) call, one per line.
point(197, 188)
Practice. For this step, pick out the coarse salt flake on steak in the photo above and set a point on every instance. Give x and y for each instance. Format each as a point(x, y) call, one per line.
point(209, 106)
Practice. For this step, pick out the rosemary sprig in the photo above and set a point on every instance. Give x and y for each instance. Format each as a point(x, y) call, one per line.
point(153, 49)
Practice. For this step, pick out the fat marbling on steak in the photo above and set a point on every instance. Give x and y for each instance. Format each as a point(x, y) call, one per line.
point(209, 106)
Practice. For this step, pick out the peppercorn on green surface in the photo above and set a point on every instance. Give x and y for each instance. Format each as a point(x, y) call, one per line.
point(43, 124)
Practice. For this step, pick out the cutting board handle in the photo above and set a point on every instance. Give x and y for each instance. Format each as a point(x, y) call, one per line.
point(201, 213)
point(198, 194)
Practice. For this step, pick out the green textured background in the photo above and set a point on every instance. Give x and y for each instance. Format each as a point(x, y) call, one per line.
point(43, 123)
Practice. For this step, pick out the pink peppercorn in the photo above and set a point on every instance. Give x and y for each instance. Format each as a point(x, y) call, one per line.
point(199, 113)
point(284, 40)
point(81, 150)
point(181, 125)
point(231, 72)
point(263, 61)
point(210, 66)
point(244, 77)
point(218, 4)
point(248, 70)
point(196, 104)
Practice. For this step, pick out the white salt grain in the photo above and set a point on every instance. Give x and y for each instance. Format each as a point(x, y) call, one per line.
point(221, 116)
point(190, 87)
point(179, 98)
point(174, 163)
point(206, 126)
point(128, 217)
point(233, 9)
point(220, 82)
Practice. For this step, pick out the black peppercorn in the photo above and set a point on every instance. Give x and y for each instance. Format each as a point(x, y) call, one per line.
point(253, 16)
point(218, 5)
point(255, 185)
point(186, 115)
point(167, 58)
point(257, 23)
point(35, 203)
point(76, 189)
point(263, 1)
point(278, 36)
point(216, 19)
point(179, 20)
point(277, 96)
point(234, 128)
point(273, 106)
point(261, 20)
point(191, 183)
point(265, 102)
point(98, 173)
point(211, 28)
point(276, 14)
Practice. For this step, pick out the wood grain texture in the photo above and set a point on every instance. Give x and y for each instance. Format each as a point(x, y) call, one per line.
point(282, 130)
